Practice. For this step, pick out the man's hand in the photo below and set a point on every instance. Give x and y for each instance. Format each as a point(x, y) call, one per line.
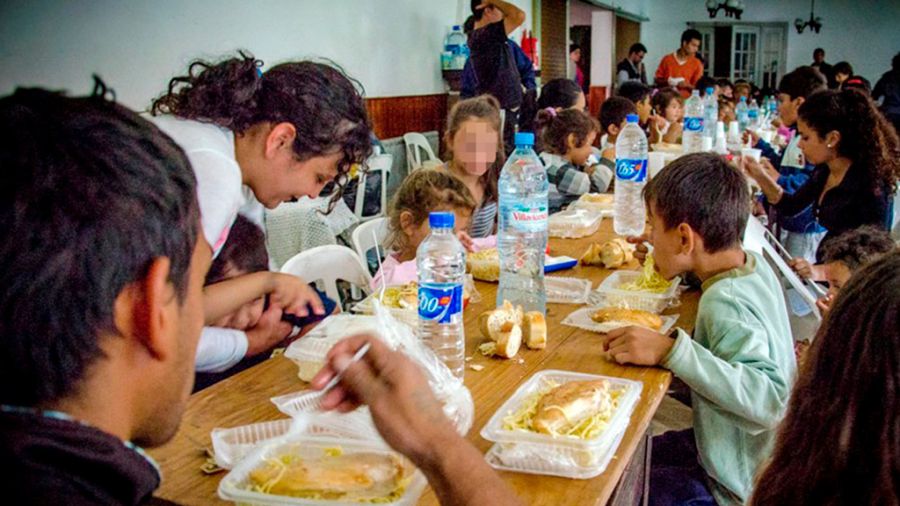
point(293, 294)
point(637, 345)
point(403, 407)
point(268, 331)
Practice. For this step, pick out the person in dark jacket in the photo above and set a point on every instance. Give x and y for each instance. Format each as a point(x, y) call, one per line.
point(887, 91)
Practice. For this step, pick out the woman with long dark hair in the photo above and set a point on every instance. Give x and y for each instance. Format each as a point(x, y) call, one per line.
point(857, 158)
point(840, 441)
point(280, 135)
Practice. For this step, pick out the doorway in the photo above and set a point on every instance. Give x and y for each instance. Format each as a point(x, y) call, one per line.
point(755, 52)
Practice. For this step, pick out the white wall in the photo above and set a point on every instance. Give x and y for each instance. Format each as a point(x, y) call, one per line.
point(603, 27)
point(863, 32)
point(391, 46)
point(580, 13)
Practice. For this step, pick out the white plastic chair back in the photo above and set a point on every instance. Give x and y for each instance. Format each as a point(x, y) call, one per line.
point(416, 143)
point(364, 239)
point(376, 164)
point(799, 295)
point(895, 219)
point(327, 264)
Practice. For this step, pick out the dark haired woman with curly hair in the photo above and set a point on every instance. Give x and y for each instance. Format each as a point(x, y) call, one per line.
point(839, 443)
point(857, 154)
point(282, 134)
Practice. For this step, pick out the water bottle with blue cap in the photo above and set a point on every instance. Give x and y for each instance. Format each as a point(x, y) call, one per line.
point(441, 264)
point(631, 176)
point(522, 227)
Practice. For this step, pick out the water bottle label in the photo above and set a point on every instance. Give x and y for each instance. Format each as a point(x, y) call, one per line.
point(528, 219)
point(693, 124)
point(753, 114)
point(440, 302)
point(631, 170)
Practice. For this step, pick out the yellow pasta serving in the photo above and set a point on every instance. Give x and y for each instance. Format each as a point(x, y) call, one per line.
point(649, 280)
point(580, 409)
point(370, 478)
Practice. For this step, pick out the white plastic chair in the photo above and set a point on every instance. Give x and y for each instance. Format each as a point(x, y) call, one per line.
point(416, 143)
point(803, 326)
point(328, 264)
point(376, 164)
point(364, 240)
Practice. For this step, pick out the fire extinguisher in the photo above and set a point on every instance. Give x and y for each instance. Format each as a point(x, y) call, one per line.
point(531, 47)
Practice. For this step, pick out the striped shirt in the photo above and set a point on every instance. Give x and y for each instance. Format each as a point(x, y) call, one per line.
point(483, 220)
point(571, 182)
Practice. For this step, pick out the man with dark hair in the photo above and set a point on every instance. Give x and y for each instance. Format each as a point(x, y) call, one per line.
point(799, 233)
point(102, 303)
point(682, 69)
point(631, 68)
point(102, 309)
point(493, 60)
point(739, 363)
point(826, 69)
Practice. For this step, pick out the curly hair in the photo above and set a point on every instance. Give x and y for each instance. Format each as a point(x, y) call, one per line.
point(318, 99)
point(485, 108)
point(421, 193)
point(858, 247)
point(556, 126)
point(840, 439)
point(866, 137)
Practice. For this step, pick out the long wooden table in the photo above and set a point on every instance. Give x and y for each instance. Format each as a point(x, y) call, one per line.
point(244, 398)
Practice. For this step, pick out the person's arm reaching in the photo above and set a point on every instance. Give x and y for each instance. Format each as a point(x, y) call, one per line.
point(513, 16)
point(411, 420)
point(291, 292)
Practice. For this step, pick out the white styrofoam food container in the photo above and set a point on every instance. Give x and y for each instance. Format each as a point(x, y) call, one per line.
point(563, 290)
point(571, 457)
point(309, 351)
point(233, 486)
point(608, 293)
point(573, 223)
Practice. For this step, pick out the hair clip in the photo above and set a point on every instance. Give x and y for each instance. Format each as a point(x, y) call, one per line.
point(551, 111)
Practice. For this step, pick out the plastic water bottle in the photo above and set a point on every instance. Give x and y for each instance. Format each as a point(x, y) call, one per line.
point(455, 44)
point(631, 176)
point(710, 116)
point(522, 228)
point(692, 136)
point(741, 112)
point(753, 115)
point(441, 262)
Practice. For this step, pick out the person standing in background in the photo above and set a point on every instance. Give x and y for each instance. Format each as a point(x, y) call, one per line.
point(632, 67)
point(493, 60)
point(826, 69)
point(575, 65)
point(682, 69)
point(887, 90)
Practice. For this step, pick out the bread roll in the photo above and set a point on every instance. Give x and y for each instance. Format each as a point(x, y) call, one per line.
point(569, 404)
point(620, 317)
point(508, 339)
point(616, 253)
point(534, 330)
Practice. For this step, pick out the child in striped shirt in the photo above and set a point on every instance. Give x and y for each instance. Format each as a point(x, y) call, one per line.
point(568, 137)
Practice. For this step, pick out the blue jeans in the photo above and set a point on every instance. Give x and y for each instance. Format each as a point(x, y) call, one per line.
point(676, 477)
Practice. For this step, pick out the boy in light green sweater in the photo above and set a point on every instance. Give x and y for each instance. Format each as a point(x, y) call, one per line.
point(740, 362)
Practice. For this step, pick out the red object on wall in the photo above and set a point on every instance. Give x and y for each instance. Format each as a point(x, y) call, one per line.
point(596, 96)
point(529, 45)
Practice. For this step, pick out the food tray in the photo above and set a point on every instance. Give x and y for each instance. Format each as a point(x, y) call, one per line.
point(233, 486)
point(571, 457)
point(519, 459)
point(582, 319)
point(562, 290)
point(602, 203)
point(574, 223)
point(232, 445)
point(309, 351)
point(608, 294)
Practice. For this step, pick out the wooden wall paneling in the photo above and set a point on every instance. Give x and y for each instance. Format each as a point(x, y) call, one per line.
point(395, 116)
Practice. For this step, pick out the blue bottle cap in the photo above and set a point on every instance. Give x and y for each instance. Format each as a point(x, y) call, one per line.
point(441, 220)
point(709, 91)
point(455, 28)
point(631, 118)
point(524, 139)
point(743, 99)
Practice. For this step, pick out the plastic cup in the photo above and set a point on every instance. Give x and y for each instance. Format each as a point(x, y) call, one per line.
point(753, 153)
point(656, 160)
